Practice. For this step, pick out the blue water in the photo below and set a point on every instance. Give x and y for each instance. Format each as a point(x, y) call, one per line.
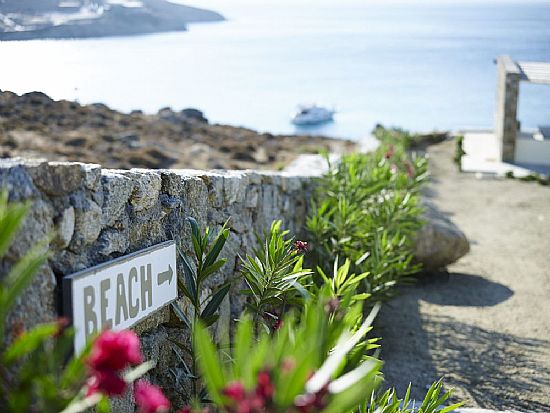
point(420, 65)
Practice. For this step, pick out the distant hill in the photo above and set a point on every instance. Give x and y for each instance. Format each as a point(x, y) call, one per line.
point(58, 19)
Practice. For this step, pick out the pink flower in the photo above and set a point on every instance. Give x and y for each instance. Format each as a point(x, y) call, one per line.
point(301, 247)
point(264, 388)
point(115, 351)
point(311, 402)
point(150, 398)
point(235, 391)
point(107, 382)
point(278, 324)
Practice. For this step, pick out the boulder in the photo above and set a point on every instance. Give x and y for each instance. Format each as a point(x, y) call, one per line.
point(195, 114)
point(439, 242)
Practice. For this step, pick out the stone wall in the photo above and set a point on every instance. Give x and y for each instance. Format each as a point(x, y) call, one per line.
point(94, 215)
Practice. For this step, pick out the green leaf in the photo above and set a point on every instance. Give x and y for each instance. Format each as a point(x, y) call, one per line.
point(180, 315)
point(189, 278)
point(451, 408)
point(241, 352)
point(211, 319)
point(76, 369)
point(210, 365)
point(207, 271)
point(11, 218)
point(103, 406)
point(18, 279)
point(215, 301)
point(217, 248)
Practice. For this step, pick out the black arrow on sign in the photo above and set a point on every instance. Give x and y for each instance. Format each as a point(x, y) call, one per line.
point(165, 276)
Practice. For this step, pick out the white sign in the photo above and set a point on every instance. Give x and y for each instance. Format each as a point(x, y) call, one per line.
point(119, 293)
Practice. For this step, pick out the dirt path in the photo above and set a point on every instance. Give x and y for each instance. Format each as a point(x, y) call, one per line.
point(485, 327)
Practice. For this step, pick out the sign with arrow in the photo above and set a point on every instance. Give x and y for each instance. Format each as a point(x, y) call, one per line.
point(119, 293)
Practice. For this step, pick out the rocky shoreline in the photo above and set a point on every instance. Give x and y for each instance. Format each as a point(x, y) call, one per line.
point(35, 126)
point(55, 19)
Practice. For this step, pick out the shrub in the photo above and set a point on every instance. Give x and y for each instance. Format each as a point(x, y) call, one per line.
point(307, 366)
point(459, 152)
point(196, 271)
point(366, 210)
point(273, 275)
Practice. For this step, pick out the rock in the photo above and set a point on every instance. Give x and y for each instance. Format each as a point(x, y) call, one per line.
point(116, 191)
point(130, 139)
point(215, 184)
point(57, 178)
point(37, 303)
point(65, 225)
point(15, 179)
point(234, 185)
point(251, 197)
point(36, 98)
point(439, 242)
point(200, 150)
point(111, 241)
point(195, 114)
point(87, 225)
point(92, 176)
point(67, 262)
point(147, 185)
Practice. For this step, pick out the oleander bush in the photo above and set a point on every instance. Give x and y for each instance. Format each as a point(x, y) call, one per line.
point(275, 276)
point(196, 271)
point(366, 211)
point(310, 364)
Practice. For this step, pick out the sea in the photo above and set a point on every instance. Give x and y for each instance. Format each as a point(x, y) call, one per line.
point(420, 65)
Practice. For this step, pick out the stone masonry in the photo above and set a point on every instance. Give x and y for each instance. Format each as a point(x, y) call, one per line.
point(94, 215)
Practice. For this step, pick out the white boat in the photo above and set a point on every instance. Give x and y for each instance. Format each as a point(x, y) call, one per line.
point(311, 115)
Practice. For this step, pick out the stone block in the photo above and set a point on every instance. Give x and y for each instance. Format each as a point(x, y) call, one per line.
point(64, 227)
point(88, 221)
point(57, 178)
point(147, 186)
point(116, 191)
point(15, 179)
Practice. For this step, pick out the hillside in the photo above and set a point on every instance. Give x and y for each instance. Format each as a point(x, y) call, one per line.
point(26, 19)
point(34, 125)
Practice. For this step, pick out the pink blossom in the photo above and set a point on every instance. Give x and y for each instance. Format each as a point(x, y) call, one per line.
point(107, 382)
point(150, 398)
point(301, 247)
point(235, 391)
point(115, 351)
point(264, 388)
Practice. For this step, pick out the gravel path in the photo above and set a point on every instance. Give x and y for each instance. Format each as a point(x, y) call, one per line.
point(486, 325)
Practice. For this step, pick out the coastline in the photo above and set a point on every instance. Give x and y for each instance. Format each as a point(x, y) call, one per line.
point(104, 20)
